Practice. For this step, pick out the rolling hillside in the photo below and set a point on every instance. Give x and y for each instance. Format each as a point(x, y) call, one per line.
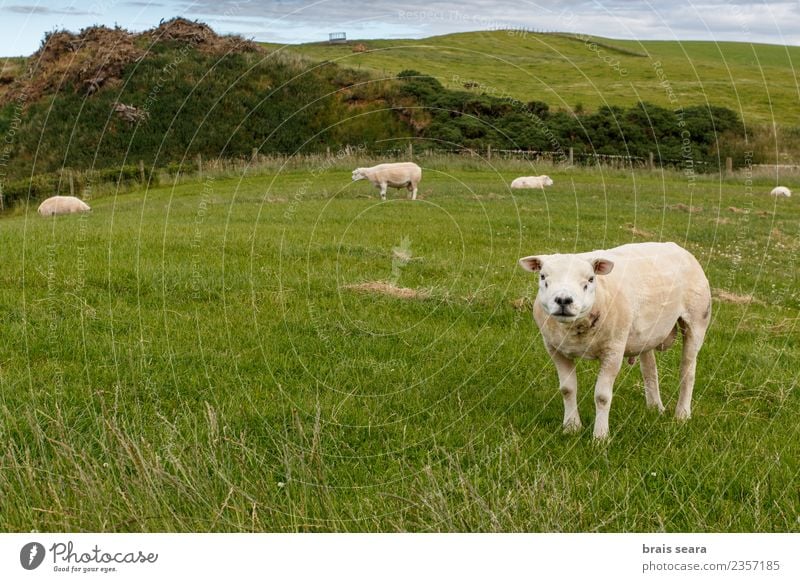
point(106, 98)
point(757, 81)
point(118, 102)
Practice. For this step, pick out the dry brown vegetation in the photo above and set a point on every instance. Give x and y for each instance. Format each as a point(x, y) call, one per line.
point(522, 304)
point(736, 298)
point(97, 56)
point(638, 231)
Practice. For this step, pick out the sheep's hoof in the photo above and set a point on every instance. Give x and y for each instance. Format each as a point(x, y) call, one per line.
point(600, 434)
point(656, 407)
point(572, 426)
point(683, 414)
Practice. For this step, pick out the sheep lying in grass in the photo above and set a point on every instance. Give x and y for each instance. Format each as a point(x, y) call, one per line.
point(781, 191)
point(526, 182)
point(399, 175)
point(626, 301)
point(56, 205)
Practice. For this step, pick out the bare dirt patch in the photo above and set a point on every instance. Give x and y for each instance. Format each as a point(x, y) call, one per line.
point(389, 289)
point(685, 208)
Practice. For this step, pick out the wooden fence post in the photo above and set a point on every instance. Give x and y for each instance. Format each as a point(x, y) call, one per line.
point(71, 184)
point(652, 161)
point(571, 156)
point(200, 165)
point(729, 166)
point(142, 177)
point(410, 151)
point(489, 152)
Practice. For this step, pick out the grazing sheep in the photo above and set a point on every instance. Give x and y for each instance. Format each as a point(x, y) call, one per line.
point(400, 175)
point(781, 191)
point(626, 301)
point(62, 205)
point(531, 182)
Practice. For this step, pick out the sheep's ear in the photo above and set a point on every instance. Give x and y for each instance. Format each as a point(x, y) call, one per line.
point(602, 266)
point(531, 263)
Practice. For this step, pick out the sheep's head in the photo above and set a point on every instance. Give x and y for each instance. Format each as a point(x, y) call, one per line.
point(358, 174)
point(567, 283)
point(547, 180)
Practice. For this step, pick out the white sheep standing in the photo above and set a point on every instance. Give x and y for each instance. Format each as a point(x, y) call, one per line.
point(56, 205)
point(398, 175)
point(781, 191)
point(525, 182)
point(622, 302)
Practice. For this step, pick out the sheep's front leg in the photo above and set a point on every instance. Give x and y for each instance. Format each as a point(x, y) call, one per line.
point(382, 186)
point(414, 192)
point(568, 384)
point(603, 390)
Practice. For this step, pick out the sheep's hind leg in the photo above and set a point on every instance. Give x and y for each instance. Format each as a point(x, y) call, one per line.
point(652, 396)
point(693, 336)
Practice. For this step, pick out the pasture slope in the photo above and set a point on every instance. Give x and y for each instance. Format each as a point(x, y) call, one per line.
point(200, 358)
point(757, 81)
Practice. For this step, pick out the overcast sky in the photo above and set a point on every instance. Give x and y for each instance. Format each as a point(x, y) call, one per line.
point(22, 24)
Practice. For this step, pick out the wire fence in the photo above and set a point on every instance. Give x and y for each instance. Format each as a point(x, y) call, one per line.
point(83, 183)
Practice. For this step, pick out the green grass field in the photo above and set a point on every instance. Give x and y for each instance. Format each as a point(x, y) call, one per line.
point(757, 81)
point(194, 359)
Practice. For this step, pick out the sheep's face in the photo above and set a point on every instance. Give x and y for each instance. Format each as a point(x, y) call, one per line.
point(358, 174)
point(547, 180)
point(567, 283)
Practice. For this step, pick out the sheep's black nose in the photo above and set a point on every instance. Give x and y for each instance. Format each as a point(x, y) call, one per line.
point(563, 300)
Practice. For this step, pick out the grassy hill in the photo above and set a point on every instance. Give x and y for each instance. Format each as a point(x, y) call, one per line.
point(206, 358)
point(757, 81)
point(106, 98)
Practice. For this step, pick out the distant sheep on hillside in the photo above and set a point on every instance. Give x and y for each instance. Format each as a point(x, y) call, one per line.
point(781, 191)
point(62, 205)
point(526, 182)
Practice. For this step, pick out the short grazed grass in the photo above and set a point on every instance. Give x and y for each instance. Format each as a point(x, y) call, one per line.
point(225, 356)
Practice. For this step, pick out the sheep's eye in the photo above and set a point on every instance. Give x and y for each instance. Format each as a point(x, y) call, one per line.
point(591, 279)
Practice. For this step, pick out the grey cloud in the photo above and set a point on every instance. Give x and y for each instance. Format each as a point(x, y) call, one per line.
point(308, 20)
point(615, 18)
point(45, 10)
